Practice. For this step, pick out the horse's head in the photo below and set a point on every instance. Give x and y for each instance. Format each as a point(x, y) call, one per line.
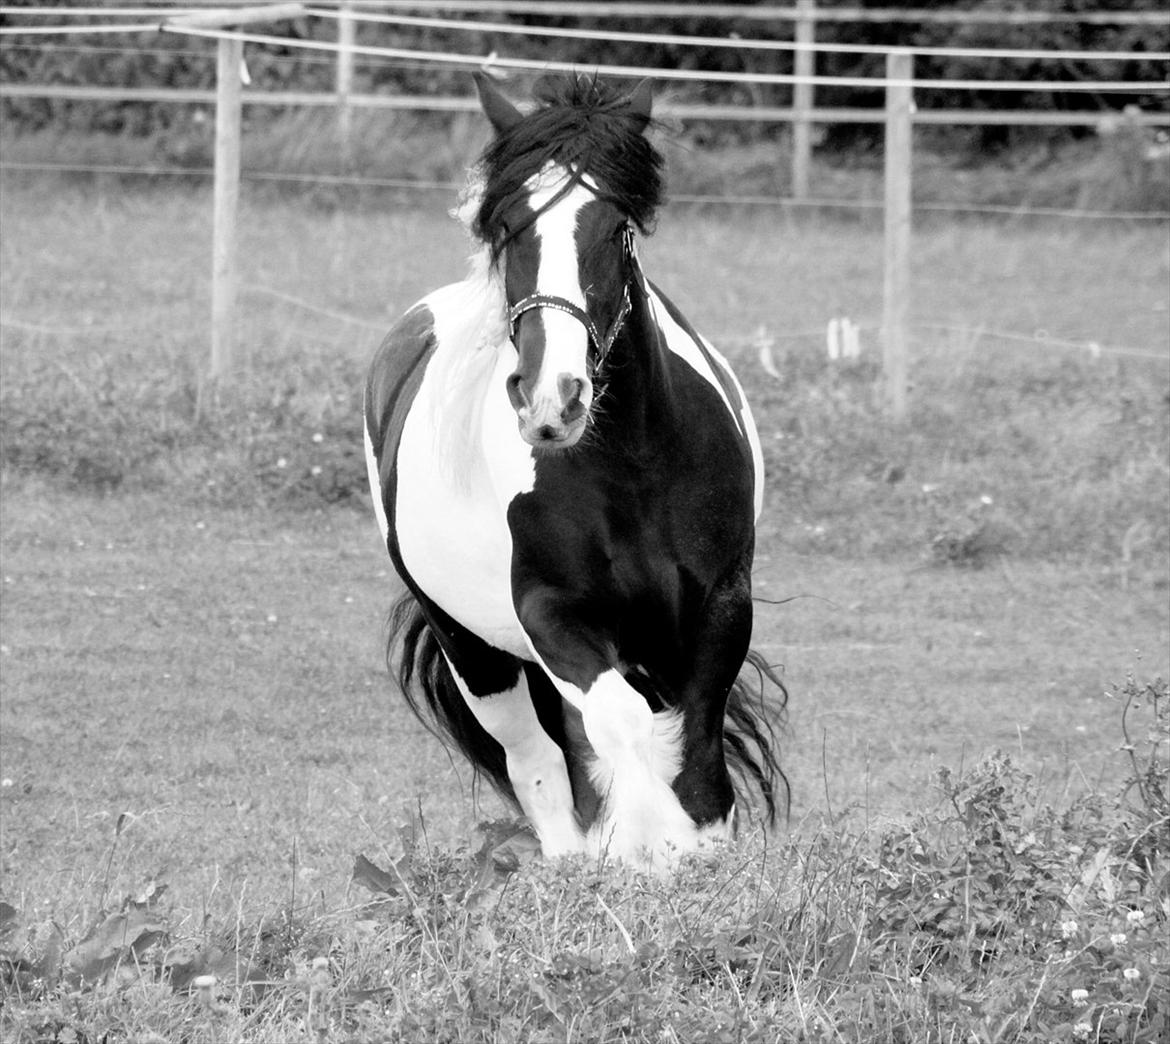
point(560, 221)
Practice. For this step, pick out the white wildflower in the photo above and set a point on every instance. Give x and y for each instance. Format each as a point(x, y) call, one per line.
point(1131, 974)
point(1082, 1031)
point(1079, 996)
point(1117, 938)
point(1068, 929)
point(318, 437)
point(1135, 917)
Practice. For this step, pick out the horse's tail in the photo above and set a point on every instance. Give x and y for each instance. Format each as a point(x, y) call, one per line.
point(431, 692)
point(750, 735)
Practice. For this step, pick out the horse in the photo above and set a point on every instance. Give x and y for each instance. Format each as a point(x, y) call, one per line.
point(567, 478)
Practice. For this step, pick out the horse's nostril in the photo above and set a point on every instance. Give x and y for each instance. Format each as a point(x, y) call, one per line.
point(516, 393)
point(571, 389)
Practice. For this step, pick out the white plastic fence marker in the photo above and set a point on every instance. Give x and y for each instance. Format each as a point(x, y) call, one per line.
point(802, 99)
point(230, 75)
point(896, 288)
point(833, 339)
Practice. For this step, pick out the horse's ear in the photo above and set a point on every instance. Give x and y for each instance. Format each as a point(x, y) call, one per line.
point(640, 103)
point(501, 113)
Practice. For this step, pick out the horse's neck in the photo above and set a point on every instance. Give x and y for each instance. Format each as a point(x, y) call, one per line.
point(639, 371)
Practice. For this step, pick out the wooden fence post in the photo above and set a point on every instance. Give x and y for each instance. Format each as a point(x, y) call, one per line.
point(229, 81)
point(346, 37)
point(224, 288)
point(896, 284)
point(802, 99)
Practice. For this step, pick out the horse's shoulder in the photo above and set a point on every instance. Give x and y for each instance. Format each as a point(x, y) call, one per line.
point(413, 339)
point(398, 367)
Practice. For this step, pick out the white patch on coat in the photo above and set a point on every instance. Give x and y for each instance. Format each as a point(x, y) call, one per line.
point(459, 465)
point(375, 483)
point(749, 423)
point(683, 345)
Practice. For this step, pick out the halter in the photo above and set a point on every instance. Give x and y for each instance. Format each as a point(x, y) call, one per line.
point(560, 304)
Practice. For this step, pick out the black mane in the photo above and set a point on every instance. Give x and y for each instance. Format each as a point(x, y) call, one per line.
point(585, 126)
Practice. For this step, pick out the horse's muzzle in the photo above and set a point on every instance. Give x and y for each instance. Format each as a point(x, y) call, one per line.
point(551, 422)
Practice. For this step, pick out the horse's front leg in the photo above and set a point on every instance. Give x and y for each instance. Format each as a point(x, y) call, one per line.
point(536, 765)
point(638, 753)
point(494, 687)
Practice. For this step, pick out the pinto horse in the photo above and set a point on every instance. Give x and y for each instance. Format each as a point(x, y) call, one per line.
point(567, 478)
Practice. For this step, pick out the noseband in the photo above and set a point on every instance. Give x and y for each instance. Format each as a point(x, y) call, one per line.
point(560, 304)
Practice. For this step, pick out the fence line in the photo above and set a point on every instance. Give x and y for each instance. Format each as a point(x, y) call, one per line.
point(778, 79)
point(308, 306)
point(63, 30)
point(672, 39)
point(559, 8)
point(671, 74)
point(682, 111)
point(762, 338)
point(690, 199)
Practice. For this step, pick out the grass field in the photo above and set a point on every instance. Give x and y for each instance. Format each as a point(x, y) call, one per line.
point(194, 693)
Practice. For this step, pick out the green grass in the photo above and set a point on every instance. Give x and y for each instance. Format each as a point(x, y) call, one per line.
point(194, 693)
point(1071, 450)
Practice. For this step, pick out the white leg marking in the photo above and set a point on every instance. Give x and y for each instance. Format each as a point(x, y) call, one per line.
point(536, 765)
point(638, 757)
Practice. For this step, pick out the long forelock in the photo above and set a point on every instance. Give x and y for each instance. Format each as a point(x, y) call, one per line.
point(585, 128)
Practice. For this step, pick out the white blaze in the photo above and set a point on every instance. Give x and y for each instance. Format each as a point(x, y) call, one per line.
point(566, 341)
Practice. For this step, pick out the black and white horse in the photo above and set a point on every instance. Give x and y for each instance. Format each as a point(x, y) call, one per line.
point(567, 477)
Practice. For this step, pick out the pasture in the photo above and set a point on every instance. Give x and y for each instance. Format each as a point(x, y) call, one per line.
point(194, 693)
